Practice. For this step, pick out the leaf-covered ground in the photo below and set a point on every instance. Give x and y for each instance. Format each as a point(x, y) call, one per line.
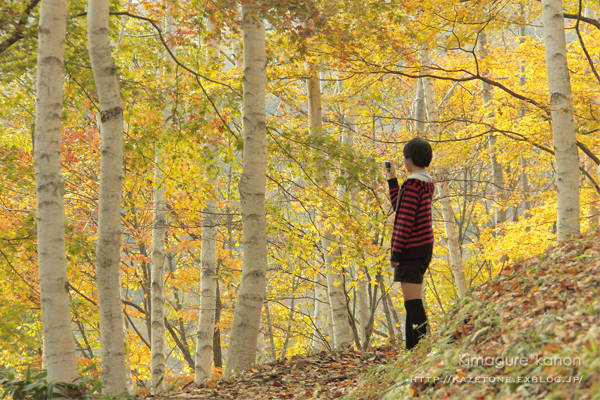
point(532, 332)
point(324, 375)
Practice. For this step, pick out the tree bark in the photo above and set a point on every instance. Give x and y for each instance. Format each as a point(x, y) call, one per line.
point(208, 285)
point(386, 309)
point(524, 177)
point(159, 230)
point(420, 109)
point(217, 354)
point(208, 269)
point(448, 212)
point(335, 288)
point(497, 171)
point(58, 344)
point(114, 375)
point(252, 188)
point(318, 336)
point(270, 329)
point(159, 227)
point(563, 123)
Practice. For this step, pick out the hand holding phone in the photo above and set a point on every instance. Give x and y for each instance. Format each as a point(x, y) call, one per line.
point(390, 168)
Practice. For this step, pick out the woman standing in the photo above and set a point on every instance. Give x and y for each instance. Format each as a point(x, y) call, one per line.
point(412, 238)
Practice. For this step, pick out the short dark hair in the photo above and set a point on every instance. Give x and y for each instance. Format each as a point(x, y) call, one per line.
point(419, 150)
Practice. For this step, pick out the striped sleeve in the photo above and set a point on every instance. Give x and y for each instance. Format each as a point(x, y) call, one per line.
point(405, 216)
point(394, 189)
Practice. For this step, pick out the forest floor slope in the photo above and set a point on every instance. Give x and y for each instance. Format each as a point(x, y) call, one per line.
point(532, 332)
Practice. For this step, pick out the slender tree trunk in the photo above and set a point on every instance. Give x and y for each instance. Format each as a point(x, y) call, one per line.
point(270, 328)
point(371, 322)
point(252, 186)
point(208, 286)
point(58, 344)
point(563, 123)
point(497, 172)
point(208, 270)
point(362, 287)
point(318, 336)
point(114, 375)
point(386, 308)
point(288, 331)
point(159, 227)
point(452, 237)
point(420, 109)
point(159, 230)
point(335, 288)
point(525, 187)
point(217, 354)
point(362, 294)
point(448, 213)
point(524, 178)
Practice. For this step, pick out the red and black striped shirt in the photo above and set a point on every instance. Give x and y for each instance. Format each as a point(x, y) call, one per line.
point(413, 231)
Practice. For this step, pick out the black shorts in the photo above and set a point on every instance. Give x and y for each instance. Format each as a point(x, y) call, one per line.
point(411, 270)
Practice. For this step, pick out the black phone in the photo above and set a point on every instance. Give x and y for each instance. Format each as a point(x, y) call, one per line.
point(387, 165)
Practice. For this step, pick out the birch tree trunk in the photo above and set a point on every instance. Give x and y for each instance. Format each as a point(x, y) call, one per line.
point(159, 230)
point(420, 109)
point(252, 188)
point(421, 117)
point(335, 288)
point(497, 172)
point(448, 212)
point(362, 287)
point(563, 123)
point(114, 375)
point(318, 336)
point(208, 285)
point(58, 344)
point(524, 177)
point(270, 332)
point(159, 227)
point(208, 267)
point(452, 237)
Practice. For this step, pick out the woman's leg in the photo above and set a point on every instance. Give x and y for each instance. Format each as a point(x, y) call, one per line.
point(415, 312)
point(409, 335)
point(411, 291)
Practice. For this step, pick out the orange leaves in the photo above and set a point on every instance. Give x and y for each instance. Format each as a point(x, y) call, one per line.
point(211, 385)
point(462, 331)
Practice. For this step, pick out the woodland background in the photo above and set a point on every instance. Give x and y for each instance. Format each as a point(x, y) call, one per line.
point(492, 139)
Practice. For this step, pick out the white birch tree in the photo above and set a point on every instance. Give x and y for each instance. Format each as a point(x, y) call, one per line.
point(497, 171)
point(108, 282)
point(563, 122)
point(252, 187)
point(335, 288)
point(524, 178)
point(58, 344)
point(447, 210)
point(208, 284)
point(320, 301)
point(159, 229)
point(208, 264)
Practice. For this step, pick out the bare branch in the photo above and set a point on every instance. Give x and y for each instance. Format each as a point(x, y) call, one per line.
point(17, 33)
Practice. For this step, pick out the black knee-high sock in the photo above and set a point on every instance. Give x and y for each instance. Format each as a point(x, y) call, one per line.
point(418, 318)
point(410, 342)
